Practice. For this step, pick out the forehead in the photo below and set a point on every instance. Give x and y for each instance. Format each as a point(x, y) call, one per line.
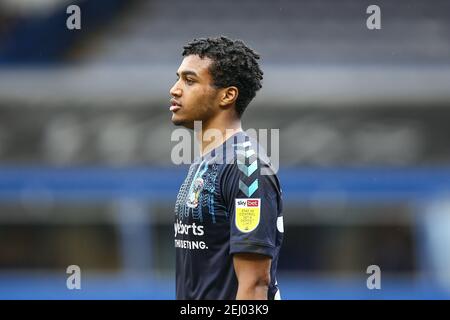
point(196, 64)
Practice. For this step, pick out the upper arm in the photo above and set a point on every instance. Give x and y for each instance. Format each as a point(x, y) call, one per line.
point(253, 200)
point(252, 269)
point(254, 205)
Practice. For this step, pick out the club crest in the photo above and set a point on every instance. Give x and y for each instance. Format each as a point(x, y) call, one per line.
point(197, 187)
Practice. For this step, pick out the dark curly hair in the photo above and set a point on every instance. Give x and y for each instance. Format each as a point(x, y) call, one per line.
point(234, 64)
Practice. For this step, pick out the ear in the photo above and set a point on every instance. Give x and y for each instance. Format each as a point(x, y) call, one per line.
point(228, 96)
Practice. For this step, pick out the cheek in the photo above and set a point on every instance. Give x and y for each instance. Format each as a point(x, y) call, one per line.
point(201, 98)
point(210, 96)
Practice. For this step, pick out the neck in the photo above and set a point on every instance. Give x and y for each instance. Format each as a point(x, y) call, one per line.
point(215, 132)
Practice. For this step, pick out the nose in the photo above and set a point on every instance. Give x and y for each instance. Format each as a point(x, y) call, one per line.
point(175, 91)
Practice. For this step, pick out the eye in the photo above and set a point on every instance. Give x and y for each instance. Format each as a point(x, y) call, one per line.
point(189, 81)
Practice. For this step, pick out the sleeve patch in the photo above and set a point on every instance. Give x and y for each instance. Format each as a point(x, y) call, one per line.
point(247, 215)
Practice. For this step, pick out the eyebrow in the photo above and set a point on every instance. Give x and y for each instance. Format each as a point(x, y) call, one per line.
point(188, 73)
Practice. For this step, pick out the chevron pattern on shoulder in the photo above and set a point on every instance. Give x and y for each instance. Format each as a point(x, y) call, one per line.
point(245, 153)
point(243, 144)
point(248, 170)
point(248, 190)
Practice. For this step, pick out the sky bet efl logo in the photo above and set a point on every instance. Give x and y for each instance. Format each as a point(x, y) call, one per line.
point(248, 202)
point(247, 214)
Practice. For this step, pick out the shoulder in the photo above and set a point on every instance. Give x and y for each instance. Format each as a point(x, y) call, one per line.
point(247, 161)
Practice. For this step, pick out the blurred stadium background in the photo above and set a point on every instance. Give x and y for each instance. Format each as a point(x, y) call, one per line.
point(85, 171)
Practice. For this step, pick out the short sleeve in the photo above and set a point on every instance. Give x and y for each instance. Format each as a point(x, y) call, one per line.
point(253, 201)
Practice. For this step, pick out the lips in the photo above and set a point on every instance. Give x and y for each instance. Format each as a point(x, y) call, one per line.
point(174, 108)
point(175, 105)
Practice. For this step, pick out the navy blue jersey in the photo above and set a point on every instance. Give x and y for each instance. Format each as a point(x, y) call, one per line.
point(230, 202)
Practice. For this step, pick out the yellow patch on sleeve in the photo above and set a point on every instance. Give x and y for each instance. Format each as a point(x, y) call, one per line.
point(247, 215)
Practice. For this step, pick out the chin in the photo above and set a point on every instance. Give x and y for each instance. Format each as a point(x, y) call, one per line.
point(182, 122)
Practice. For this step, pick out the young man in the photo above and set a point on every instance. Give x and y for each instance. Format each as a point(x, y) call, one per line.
point(228, 223)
